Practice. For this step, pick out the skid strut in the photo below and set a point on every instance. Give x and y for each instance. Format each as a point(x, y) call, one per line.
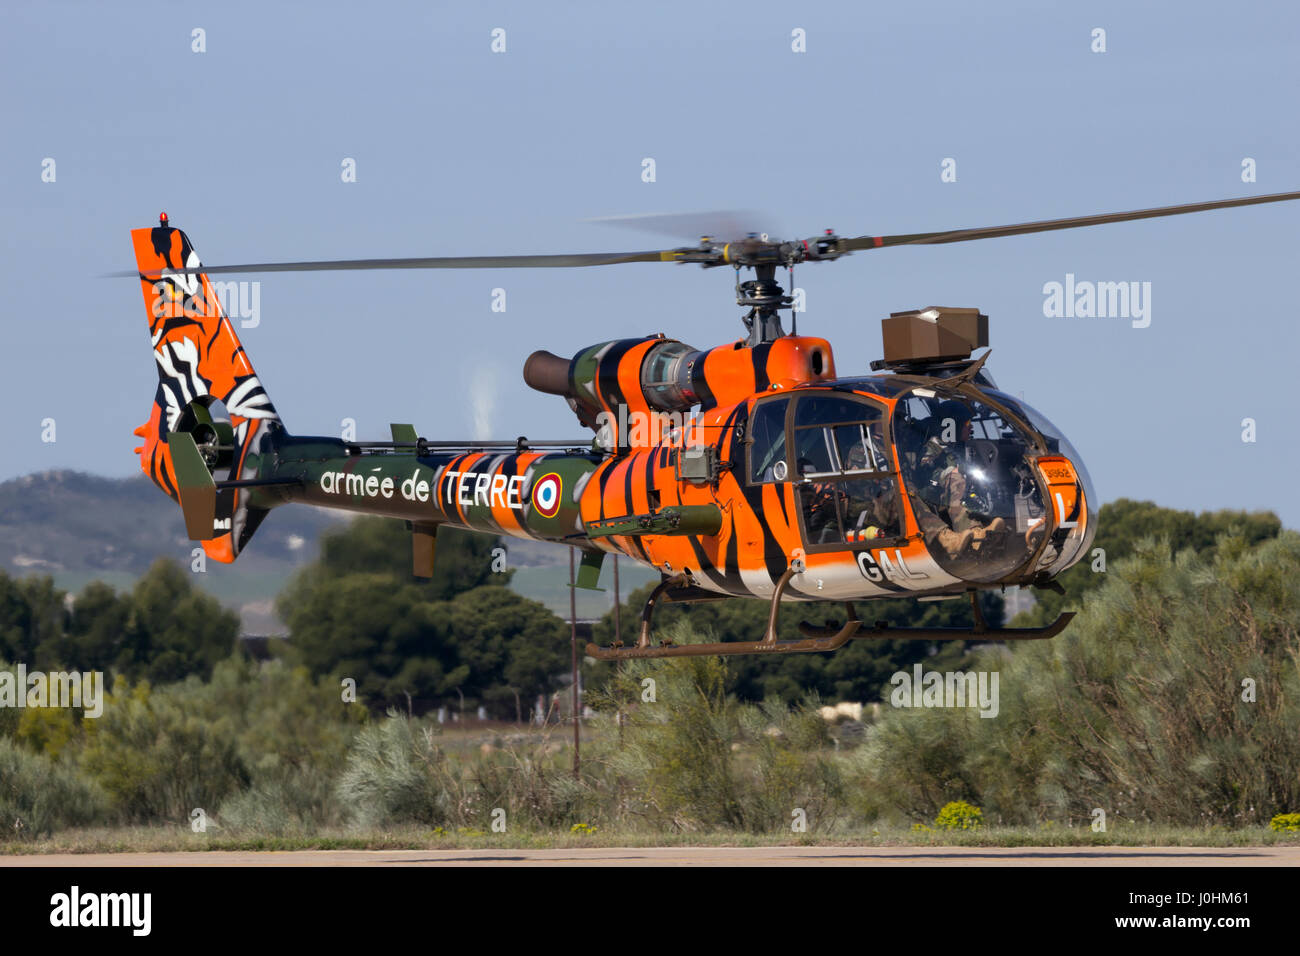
point(815, 640)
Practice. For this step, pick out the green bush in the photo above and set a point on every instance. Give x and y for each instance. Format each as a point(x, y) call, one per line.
point(791, 768)
point(299, 801)
point(532, 779)
point(1286, 823)
point(157, 758)
point(697, 758)
point(162, 752)
point(1143, 706)
point(397, 773)
point(39, 796)
point(678, 757)
point(9, 716)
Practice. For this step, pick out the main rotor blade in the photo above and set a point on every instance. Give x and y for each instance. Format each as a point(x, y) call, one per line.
point(1020, 229)
point(746, 252)
point(436, 262)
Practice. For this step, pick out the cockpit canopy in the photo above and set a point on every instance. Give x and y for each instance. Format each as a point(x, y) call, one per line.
point(967, 470)
point(970, 474)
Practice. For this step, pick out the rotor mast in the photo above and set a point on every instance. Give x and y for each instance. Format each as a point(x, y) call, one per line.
point(762, 295)
point(765, 299)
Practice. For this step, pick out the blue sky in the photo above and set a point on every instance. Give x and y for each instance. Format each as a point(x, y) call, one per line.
point(461, 151)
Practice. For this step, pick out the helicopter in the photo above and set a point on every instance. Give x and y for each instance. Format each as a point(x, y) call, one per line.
point(752, 469)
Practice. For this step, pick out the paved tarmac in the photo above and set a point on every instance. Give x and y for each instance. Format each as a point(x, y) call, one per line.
point(699, 856)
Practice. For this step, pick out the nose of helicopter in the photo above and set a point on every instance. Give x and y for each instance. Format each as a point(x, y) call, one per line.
point(989, 504)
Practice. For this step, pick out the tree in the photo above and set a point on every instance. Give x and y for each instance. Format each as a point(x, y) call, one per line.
point(32, 619)
point(358, 613)
point(99, 620)
point(513, 646)
point(175, 629)
point(1123, 523)
point(383, 546)
point(166, 628)
point(373, 629)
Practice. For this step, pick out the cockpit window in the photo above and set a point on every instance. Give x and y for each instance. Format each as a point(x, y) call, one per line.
point(861, 447)
point(814, 452)
point(767, 453)
point(1056, 442)
point(829, 409)
point(836, 436)
point(848, 495)
point(953, 420)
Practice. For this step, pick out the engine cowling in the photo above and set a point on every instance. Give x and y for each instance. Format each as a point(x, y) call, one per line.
point(658, 374)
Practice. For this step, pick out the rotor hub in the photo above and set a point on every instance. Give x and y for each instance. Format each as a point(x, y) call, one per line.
point(762, 294)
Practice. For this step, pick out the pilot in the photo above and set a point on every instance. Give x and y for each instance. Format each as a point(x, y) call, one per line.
point(879, 515)
point(941, 481)
point(820, 498)
point(872, 510)
point(882, 518)
point(820, 519)
point(939, 466)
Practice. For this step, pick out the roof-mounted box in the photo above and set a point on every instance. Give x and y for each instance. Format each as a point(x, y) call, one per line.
point(936, 334)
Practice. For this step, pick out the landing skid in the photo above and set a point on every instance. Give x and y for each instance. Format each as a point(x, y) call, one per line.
point(883, 631)
point(817, 639)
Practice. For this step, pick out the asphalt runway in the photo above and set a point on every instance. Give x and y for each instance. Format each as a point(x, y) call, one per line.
point(699, 856)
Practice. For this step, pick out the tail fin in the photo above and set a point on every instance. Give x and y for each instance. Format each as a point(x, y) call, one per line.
point(200, 362)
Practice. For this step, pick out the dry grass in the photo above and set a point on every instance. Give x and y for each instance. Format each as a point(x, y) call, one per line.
point(180, 839)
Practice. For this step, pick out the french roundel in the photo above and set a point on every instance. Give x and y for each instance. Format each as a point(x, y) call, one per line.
point(546, 495)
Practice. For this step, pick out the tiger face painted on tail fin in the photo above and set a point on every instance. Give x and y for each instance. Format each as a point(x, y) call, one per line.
point(200, 362)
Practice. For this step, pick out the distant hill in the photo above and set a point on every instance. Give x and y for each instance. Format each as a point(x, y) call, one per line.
point(79, 527)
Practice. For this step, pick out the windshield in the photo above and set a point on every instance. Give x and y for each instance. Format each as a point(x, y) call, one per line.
point(1058, 444)
point(972, 489)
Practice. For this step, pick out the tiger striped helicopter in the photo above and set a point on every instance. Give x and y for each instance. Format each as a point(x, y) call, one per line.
point(754, 469)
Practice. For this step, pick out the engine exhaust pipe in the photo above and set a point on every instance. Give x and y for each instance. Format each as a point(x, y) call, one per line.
point(547, 373)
